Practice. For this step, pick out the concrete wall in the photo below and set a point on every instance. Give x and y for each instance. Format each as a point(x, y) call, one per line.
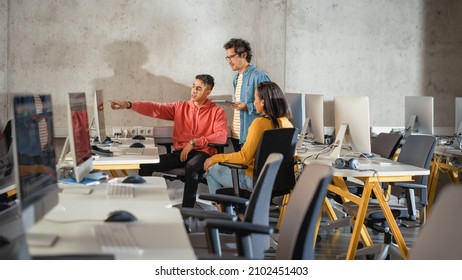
point(152, 50)
point(3, 61)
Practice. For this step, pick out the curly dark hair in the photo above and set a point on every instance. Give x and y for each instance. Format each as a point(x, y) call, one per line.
point(240, 46)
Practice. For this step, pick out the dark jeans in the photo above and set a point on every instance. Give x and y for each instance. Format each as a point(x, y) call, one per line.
point(236, 145)
point(194, 169)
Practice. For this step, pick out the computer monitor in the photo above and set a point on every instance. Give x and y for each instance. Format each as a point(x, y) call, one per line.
point(418, 115)
point(352, 124)
point(79, 136)
point(314, 111)
point(34, 156)
point(458, 113)
point(6, 163)
point(98, 108)
point(295, 101)
point(458, 124)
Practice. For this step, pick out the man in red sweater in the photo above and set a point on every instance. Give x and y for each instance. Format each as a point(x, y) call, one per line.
point(196, 123)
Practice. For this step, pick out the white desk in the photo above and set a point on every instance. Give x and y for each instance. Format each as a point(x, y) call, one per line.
point(385, 171)
point(121, 161)
point(159, 230)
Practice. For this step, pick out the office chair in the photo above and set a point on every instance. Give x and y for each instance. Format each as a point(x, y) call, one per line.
point(439, 238)
point(163, 137)
point(298, 229)
point(256, 211)
point(279, 140)
point(384, 145)
point(418, 151)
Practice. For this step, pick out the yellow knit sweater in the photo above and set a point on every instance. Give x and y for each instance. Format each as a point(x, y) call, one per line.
point(247, 153)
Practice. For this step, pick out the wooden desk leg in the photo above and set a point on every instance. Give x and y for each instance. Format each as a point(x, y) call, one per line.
point(330, 211)
point(454, 176)
point(390, 220)
point(433, 181)
point(359, 222)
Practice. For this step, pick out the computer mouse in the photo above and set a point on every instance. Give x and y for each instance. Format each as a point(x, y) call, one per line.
point(137, 145)
point(139, 137)
point(134, 179)
point(121, 216)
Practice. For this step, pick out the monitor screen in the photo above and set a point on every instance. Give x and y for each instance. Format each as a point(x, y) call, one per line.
point(314, 111)
point(296, 106)
point(6, 162)
point(418, 115)
point(79, 136)
point(34, 156)
point(98, 108)
point(458, 113)
point(353, 113)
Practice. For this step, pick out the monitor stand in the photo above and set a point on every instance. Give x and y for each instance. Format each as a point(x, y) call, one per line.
point(338, 142)
point(410, 126)
point(61, 162)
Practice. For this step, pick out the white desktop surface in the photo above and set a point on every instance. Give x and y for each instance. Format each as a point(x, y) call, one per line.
point(374, 167)
point(160, 230)
point(150, 155)
point(154, 191)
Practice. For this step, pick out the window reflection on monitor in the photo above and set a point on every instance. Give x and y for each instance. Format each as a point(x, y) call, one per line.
point(98, 108)
point(418, 115)
point(352, 124)
point(314, 110)
point(34, 156)
point(79, 136)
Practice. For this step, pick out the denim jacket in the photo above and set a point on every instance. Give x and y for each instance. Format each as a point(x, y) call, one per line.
point(252, 77)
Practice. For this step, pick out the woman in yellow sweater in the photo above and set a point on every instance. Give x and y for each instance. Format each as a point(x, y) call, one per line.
point(274, 111)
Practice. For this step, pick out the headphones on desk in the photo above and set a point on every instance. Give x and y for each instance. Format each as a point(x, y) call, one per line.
point(340, 163)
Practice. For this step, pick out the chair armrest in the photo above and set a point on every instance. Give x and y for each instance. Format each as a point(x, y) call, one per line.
point(410, 185)
point(238, 227)
point(220, 147)
point(233, 165)
point(225, 199)
point(202, 215)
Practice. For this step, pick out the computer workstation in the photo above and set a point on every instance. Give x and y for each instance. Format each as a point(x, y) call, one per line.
point(312, 133)
point(353, 142)
point(77, 151)
point(418, 115)
point(47, 222)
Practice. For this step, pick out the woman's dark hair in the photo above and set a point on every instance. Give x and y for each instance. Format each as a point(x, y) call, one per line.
point(240, 46)
point(275, 105)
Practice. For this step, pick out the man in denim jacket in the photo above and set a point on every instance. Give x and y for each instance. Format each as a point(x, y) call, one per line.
point(239, 55)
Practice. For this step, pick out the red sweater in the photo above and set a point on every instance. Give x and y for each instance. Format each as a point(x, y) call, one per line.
point(203, 124)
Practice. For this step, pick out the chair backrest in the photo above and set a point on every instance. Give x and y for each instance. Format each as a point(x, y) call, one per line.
point(418, 151)
point(259, 201)
point(283, 141)
point(439, 238)
point(386, 144)
point(297, 231)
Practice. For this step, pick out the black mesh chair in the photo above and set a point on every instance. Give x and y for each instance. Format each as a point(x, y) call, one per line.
point(257, 208)
point(298, 229)
point(280, 140)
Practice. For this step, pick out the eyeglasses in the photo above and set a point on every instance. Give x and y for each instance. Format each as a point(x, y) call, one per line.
point(231, 56)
